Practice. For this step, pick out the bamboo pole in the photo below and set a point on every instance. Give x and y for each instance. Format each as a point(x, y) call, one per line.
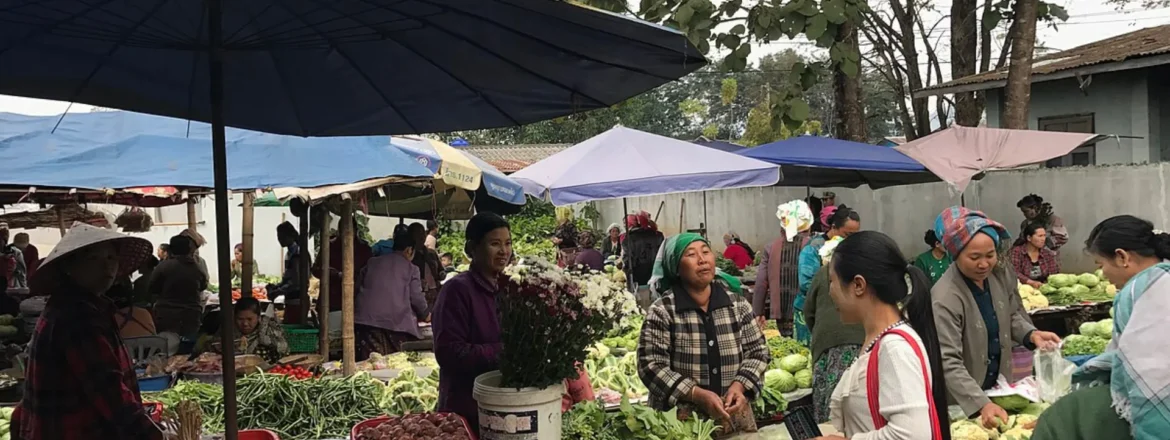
point(191, 223)
point(306, 265)
point(247, 242)
point(60, 220)
point(345, 233)
point(323, 290)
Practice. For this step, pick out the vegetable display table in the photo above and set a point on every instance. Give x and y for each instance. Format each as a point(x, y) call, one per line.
point(776, 432)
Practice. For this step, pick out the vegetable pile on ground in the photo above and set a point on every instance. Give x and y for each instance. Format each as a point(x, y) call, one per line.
point(410, 394)
point(1092, 339)
point(1065, 289)
point(293, 371)
point(1022, 416)
point(1032, 298)
point(612, 364)
point(294, 409)
point(588, 420)
point(417, 426)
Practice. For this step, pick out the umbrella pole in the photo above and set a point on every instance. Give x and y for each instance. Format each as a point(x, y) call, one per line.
point(345, 234)
point(705, 226)
point(246, 243)
point(626, 225)
point(306, 265)
point(222, 233)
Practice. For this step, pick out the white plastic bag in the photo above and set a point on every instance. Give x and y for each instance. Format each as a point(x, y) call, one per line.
point(1053, 374)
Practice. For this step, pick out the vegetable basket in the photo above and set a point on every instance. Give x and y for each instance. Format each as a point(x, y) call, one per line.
point(257, 434)
point(301, 338)
point(378, 421)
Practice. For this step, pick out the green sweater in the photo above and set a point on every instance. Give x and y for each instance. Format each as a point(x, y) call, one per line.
point(823, 319)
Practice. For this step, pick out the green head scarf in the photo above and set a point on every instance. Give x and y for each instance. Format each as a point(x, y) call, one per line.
point(665, 276)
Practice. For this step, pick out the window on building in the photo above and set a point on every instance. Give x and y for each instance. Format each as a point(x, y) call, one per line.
point(1081, 156)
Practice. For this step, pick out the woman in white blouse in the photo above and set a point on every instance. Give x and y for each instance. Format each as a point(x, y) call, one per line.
point(890, 392)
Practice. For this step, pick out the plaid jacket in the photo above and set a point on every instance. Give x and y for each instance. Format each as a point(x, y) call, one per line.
point(676, 353)
point(80, 383)
point(1022, 263)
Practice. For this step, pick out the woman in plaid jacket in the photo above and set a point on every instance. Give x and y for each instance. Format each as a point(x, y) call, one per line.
point(699, 347)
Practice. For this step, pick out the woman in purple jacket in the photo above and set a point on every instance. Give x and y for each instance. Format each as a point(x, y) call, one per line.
point(465, 323)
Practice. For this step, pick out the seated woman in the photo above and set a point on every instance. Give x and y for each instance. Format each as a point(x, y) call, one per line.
point(131, 321)
point(587, 257)
point(713, 368)
point(737, 251)
point(390, 304)
point(258, 334)
point(1032, 260)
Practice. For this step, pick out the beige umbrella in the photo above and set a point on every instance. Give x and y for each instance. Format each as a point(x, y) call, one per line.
point(958, 154)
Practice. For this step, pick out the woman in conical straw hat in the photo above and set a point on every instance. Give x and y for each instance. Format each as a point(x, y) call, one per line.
point(80, 383)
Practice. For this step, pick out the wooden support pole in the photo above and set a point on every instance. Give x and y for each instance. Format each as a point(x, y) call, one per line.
point(247, 242)
point(345, 234)
point(191, 221)
point(323, 291)
point(60, 220)
point(306, 266)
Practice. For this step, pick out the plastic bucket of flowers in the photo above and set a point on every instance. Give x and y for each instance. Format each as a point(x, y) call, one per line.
point(549, 318)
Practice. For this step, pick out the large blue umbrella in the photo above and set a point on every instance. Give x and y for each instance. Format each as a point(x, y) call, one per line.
point(827, 162)
point(331, 68)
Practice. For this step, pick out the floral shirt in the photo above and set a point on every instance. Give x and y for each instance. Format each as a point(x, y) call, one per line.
point(682, 347)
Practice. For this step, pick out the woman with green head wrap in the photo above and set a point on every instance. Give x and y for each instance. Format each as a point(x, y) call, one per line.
point(700, 348)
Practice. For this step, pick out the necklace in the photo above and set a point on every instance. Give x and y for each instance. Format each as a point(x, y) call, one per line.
point(869, 347)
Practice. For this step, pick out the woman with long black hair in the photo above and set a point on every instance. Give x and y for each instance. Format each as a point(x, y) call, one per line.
point(895, 389)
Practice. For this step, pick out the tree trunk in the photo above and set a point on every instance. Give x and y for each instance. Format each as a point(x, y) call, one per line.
point(847, 93)
point(1019, 81)
point(968, 108)
point(905, 16)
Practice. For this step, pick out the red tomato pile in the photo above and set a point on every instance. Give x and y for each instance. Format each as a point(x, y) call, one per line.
point(293, 371)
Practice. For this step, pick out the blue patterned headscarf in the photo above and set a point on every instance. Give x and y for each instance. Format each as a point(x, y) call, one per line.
point(957, 225)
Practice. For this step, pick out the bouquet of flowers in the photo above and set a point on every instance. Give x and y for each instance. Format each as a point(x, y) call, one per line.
point(550, 317)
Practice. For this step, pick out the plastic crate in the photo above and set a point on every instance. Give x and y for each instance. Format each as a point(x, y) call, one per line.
point(357, 429)
point(157, 383)
point(301, 338)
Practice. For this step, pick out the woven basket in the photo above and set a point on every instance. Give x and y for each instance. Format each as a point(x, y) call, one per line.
point(301, 338)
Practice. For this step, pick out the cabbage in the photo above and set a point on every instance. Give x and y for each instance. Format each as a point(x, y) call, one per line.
point(1013, 403)
point(793, 363)
point(1100, 274)
point(1088, 280)
point(1079, 290)
point(803, 378)
point(1062, 280)
point(1047, 289)
point(779, 380)
point(1034, 410)
point(1075, 345)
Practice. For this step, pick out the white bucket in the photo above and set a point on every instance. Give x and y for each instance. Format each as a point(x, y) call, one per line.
point(510, 414)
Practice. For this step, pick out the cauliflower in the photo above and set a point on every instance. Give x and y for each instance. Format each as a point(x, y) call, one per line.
point(1016, 434)
point(968, 430)
point(1023, 420)
point(1035, 302)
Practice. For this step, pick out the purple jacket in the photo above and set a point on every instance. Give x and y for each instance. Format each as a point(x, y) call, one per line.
point(391, 295)
point(467, 340)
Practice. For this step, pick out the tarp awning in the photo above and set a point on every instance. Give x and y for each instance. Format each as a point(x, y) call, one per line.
point(827, 162)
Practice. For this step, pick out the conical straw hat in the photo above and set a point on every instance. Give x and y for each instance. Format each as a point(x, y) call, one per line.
point(132, 252)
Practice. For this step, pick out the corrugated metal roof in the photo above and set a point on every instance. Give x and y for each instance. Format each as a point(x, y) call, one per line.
point(513, 158)
point(1142, 43)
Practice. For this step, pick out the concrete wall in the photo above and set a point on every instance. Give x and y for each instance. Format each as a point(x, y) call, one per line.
point(1126, 103)
point(1082, 196)
point(265, 248)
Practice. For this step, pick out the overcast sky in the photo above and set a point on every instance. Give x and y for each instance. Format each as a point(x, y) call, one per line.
point(1088, 21)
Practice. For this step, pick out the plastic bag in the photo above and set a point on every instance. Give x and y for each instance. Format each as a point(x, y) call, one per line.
point(1053, 374)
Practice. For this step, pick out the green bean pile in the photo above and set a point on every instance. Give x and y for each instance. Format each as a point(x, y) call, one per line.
point(307, 409)
point(209, 397)
point(294, 409)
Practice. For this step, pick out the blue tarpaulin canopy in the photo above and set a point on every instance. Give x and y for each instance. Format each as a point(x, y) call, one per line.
point(827, 162)
point(125, 150)
point(624, 162)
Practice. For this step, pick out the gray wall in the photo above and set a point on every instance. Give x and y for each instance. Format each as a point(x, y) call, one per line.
point(1081, 196)
point(1126, 103)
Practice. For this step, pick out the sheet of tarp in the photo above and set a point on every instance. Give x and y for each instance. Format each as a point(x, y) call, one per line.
point(624, 162)
point(721, 145)
point(958, 153)
point(68, 161)
point(827, 162)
